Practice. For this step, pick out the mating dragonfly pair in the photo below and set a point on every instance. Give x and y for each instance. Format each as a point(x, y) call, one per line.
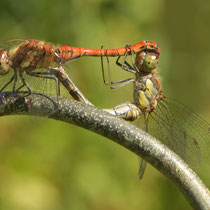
point(172, 123)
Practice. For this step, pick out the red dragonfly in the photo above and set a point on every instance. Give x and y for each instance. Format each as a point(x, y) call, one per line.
point(29, 55)
point(169, 121)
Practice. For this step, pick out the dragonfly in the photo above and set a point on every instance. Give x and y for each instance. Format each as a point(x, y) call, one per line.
point(26, 56)
point(183, 131)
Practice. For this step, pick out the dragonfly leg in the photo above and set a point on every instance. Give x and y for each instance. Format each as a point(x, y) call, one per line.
point(102, 67)
point(47, 75)
point(24, 84)
point(127, 111)
point(12, 78)
point(125, 66)
point(121, 83)
point(65, 80)
point(133, 62)
point(15, 83)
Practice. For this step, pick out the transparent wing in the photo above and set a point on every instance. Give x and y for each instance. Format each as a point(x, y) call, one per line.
point(7, 45)
point(39, 85)
point(142, 167)
point(4, 79)
point(180, 129)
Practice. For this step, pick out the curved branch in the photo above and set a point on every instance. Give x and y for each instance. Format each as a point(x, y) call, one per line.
point(118, 130)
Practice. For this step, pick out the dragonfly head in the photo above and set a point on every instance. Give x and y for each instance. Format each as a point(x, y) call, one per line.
point(147, 61)
point(4, 62)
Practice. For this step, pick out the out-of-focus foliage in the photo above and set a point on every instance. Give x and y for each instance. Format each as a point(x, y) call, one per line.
point(53, 165)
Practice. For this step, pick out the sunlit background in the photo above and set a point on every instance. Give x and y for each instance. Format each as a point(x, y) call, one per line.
point(50, 165)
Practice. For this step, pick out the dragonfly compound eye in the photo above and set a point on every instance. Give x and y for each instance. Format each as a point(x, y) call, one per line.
point(4, 63)
point(146, 62)
point(150, 63)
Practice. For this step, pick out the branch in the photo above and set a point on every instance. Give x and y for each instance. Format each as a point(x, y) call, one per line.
point(118, 130)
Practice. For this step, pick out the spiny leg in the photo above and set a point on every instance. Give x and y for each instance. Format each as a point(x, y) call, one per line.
point(11, 79)
point(110, 82)
point(15, 83)
point(43, 75)
point(134, 62)
point(24, 84)
point(124, 62)
point(3, 100)
point(102, 67)
point(35, 74)
point(125, 66)
point(121, 83)
point(38, 74)
point(47, 75)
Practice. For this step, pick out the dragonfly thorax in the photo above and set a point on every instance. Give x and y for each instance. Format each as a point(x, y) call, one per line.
point(4, 63)
point(31, 55)
point(147, 93)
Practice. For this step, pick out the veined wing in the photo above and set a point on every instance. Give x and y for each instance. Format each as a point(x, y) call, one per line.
point(7, 45)
point(180, 129)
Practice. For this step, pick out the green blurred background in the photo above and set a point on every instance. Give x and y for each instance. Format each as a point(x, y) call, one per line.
point(51, 165)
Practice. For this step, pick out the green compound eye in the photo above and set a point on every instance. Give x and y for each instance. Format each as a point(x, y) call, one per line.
point(149, 63)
